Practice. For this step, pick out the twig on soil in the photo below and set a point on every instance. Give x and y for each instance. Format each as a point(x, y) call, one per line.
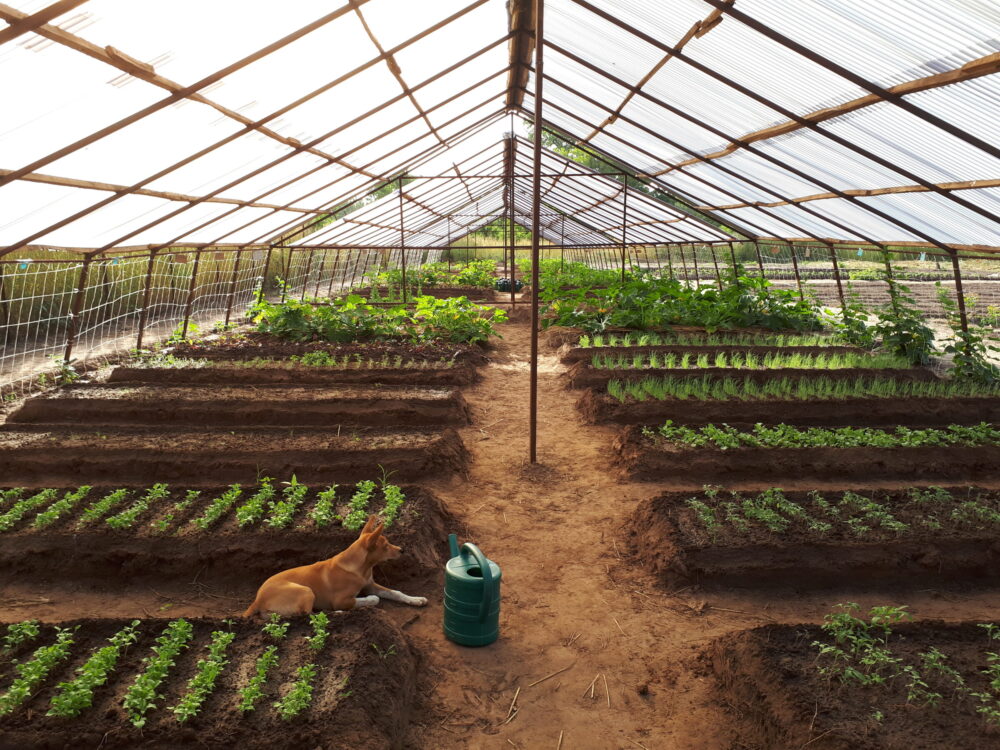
point(558, 671)
point(511, 709)
point(639, 744)
point(619, 626)
point(818, 736)
point(510, 718)
point(590, 687)
point(513, 745)
point(559, 746)
point(570, 642)
point(26, 602)
point(741, 612)
point(616, 548)
point(606, 691)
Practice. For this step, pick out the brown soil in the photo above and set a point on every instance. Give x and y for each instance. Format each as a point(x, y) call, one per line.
point(573, 597)
point(41, 457)
point(251, 345)
point(598, 408)
point(286, 373)
point(665, 532)
point(778, 699)
point(258, 405)
point(583, 375)
point(371, 712)
point(569, 355)
point(644, 459)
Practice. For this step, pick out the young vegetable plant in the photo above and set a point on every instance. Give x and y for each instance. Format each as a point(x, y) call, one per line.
point(98, 509)
point(283, 511)
point(76, 696)
point(323, 513)
point(300, 696)
point(275, 628)
point(219, 507)
point(394, 499)
point(52, 514)
point(202, 684)
point(254, 690)
point(31, 673)
point(253, 510)
point(319, 621)
point(127, 518)
point(357, 512)
point(20, 632)
point(24, 506)
point(142, 696)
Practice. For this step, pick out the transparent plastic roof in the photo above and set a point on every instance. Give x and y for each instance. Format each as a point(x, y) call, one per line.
point(162, 124)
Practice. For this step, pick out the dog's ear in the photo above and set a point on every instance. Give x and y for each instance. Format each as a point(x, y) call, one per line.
point(370, 524)
point(373, 537)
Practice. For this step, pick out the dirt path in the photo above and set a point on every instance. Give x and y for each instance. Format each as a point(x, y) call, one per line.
point(573, 598)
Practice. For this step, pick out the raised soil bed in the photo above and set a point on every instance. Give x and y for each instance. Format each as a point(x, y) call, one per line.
point(360, 697)
point(206, 457)
point(285, 372)
point(164, 541)
point(644, 458)
point(264, 405)
point(600, 408)
point(778, 699)
point(583, 375)
point(667, 536)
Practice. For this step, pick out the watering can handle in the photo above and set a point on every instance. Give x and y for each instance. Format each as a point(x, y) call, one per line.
point(488, 584)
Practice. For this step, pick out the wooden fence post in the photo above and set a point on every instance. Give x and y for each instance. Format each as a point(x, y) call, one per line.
point(190, 297)
point(74, 324)
point(144, 312)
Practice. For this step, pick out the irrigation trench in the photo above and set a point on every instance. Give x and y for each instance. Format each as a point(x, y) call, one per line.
point(593, 649)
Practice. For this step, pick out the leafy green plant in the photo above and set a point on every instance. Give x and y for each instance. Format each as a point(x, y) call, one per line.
point(900, 328)
point(275, 628)
point(283, 511)
point(19, 633)
point(969, 347)
point(218, 507)
point(55, 511)
point(24, 506)
point(320, 621)
point(141, 697)
point(394, 499)
point(357, 512)
point(300, 696)
point(98, 509)
point(253, 510)
point(206, 674)
point(31, 673)
point(127, 518)
point(75, 696)
point(323, 513)
point(251, 694)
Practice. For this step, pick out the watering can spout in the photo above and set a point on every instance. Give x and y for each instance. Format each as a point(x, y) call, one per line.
point(453, 544)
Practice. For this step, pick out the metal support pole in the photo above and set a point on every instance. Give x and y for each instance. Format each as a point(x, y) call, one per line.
point(694, 260)
point(288, 268)
point(449, 244)
point(232, 287)
point(305, 281)
point(536, 203)
point(959, 292)
point(263, 278)
point(624, 221)
point(670, 261)
point(402, 238)
point(81, 291)
point(189, 302)
point(319, 276)
point(715, 262)
point(795, 268)
point(732, 257)
point(760, 260)
point(562, 245)
point(144, 313)
point(836, 276)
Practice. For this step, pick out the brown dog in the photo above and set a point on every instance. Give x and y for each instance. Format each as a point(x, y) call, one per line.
point(333, 583)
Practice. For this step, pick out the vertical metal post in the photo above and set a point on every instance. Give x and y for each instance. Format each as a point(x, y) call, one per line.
point(795, 268)
point(760, 260)
point(715, 262)
point(319, 276)
point(836, 276)
point(74, 324)
point(959, 292)
point(732, 257)
point(305, 281)
point(263, 279)
point(288, 268)
point(694, 260)
point(680, 249)
point(624, 220)
point(449, 244)
point(232, 286)
point(144, 313)
point(536, 201)
point(189, 302)
point(670, 261)
point(402, 238)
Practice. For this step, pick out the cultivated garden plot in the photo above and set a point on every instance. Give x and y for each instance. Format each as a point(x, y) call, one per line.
point(327, 680)
point(39, 455)
point(917, 537)
point(219, 405)
point(862, 682)
point(230, 534)
point(782, 453)
point(818, 401)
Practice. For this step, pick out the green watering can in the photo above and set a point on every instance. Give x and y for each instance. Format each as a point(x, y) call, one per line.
point(471, 596)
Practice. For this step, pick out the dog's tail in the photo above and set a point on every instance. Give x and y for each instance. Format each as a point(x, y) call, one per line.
point(252, 610)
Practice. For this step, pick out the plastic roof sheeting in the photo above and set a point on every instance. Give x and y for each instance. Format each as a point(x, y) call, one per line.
point(349, 96)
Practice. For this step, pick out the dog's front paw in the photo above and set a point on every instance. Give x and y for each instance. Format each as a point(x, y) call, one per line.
point(418, 601)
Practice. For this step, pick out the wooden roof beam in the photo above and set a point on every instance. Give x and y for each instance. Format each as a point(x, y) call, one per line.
point(27, 23)
point(522, 44)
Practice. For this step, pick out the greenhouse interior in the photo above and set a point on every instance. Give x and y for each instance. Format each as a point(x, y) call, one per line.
point(476, 357)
